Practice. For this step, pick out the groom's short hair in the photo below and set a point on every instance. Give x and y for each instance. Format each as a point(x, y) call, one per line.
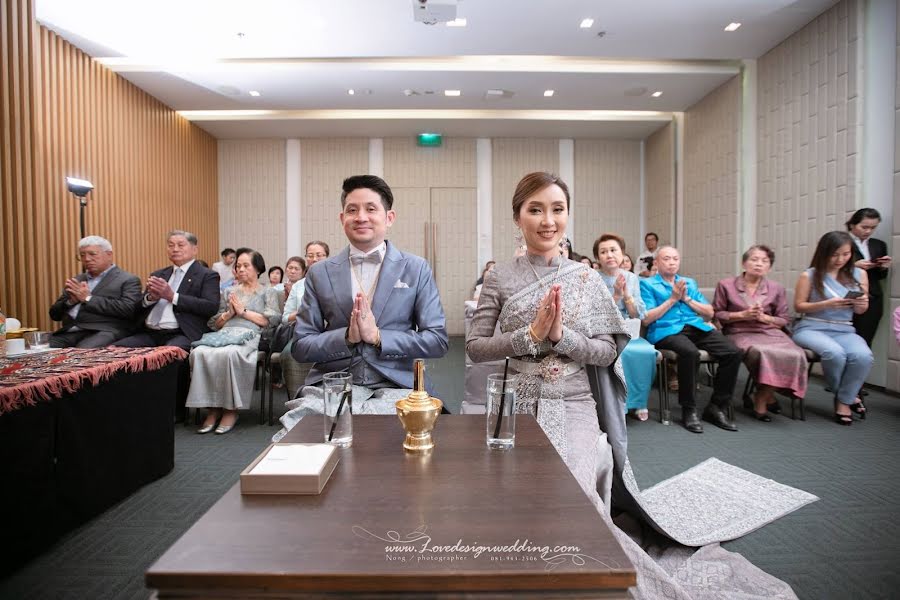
point(372, 182)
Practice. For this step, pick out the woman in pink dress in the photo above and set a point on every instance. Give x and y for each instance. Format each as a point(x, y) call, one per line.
point(753, 312)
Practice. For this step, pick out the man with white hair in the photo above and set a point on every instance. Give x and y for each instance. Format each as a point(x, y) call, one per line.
point(96, 307)
point(677, 319)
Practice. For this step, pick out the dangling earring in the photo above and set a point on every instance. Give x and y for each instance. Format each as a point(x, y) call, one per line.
point(519, 238)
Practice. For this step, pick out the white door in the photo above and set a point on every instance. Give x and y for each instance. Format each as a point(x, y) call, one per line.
point(454, 252)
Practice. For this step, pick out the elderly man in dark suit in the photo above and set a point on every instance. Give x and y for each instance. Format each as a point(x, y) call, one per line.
point(178, 300)
point(96, 307)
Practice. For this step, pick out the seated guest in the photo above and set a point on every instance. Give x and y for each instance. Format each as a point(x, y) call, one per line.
point(276, 274)
point(96, 307)
point(294, 271)
point(225, 267)
point(648, 256)
point(753, 312)
point(222, 372)
point(828, 294)
point(627, 263)
point(370, 310)
point(555, 317)
point(870, 255)
point(639, 356)
point(488, 267)
point(178, 300)
point(315, 251)
point(676, 319)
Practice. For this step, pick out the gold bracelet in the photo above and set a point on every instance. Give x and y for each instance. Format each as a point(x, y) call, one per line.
point(533, 335)
point(629, 300)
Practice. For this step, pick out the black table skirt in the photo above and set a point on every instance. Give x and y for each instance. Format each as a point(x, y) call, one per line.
point(65, 461)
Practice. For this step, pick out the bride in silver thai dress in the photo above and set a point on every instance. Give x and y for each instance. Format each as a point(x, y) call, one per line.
point(563, 334)
point(555, 316)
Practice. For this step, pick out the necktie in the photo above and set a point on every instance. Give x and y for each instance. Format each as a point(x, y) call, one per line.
point(157, 313)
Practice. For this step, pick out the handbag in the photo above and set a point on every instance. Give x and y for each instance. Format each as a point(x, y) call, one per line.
point(227, 336)
point(283, 334)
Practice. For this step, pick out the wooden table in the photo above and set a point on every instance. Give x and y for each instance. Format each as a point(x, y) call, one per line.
point(463, 522)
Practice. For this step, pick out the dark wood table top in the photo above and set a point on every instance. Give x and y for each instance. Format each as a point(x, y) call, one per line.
point(462, 519)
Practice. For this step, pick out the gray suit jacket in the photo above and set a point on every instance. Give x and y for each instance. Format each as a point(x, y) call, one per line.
point(111, 307)
point(411, 318)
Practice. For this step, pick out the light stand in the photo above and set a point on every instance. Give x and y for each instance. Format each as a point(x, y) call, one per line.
point(80, 188)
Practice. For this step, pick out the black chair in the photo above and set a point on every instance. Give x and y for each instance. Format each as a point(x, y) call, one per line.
point(669, 356)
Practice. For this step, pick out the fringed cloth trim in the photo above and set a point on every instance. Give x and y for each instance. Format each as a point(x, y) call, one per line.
point(25, 380)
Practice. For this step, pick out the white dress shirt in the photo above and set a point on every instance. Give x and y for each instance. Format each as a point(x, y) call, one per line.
point(168, 320)
point(367, 271)
point(863, 246)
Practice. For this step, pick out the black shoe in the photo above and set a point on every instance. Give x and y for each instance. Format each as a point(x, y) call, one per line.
point(714, 415)
point(764, 417)
point(859, 408)
point(690, 420)
point(774, 408)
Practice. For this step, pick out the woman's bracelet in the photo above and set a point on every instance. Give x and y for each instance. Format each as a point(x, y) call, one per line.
point(629, 300)
point(534, 337)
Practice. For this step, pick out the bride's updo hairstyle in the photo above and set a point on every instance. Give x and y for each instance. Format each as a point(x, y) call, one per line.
point(533, 183)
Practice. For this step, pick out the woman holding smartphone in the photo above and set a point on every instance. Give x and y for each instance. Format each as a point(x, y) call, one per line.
point(870, 255)
point(827, 295)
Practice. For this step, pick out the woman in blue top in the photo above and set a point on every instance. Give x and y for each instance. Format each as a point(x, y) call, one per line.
point(639, 356)
point(827, 295)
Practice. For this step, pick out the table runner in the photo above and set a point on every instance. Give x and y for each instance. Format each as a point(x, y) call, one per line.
point(26, 379)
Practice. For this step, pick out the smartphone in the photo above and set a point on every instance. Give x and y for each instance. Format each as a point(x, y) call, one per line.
point(853, 294)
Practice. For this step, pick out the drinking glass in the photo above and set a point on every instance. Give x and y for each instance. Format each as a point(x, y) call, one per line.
point(338, 409)
point(501, 411)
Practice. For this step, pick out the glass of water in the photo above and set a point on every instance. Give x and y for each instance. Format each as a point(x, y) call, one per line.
point(501, 411)
point(338, 409)
point(38, 340)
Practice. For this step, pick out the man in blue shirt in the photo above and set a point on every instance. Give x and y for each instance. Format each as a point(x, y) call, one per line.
point(676, 320)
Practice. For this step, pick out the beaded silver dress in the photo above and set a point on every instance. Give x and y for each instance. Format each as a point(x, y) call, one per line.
point(576, 389)
point(552, 385)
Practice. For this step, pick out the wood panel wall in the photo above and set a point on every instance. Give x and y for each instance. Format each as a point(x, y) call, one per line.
point(709, 250)
point(659, 174)
point(607, 196)
point(252, 197)
point(65, 115)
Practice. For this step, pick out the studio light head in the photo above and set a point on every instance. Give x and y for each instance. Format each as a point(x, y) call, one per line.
point(79, 187)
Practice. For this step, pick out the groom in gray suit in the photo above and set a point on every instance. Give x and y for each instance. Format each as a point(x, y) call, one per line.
point(371, 308)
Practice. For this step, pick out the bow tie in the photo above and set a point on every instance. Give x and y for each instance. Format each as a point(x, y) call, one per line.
point(359, 259)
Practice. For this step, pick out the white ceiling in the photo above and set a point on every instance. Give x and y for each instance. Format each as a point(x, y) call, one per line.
point(303, 55)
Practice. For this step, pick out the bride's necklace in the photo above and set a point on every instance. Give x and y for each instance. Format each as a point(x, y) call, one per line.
point(538, 277)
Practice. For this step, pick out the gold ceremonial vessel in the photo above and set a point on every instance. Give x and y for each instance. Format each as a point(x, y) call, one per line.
point(418, 413)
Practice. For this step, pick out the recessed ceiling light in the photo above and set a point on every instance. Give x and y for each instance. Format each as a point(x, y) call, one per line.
point(587, 23)
point(548, 93)
point(254, 93)
point(656, 94)
point(456, 23)
point(732, 26)
point(452, 92)
point(351, 92)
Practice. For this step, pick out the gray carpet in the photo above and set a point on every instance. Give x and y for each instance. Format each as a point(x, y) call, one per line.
point(843, 546)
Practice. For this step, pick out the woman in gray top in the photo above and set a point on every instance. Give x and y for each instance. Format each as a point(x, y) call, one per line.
point(222, 376)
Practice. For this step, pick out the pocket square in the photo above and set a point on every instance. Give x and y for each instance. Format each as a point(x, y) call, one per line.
point(400, 284)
